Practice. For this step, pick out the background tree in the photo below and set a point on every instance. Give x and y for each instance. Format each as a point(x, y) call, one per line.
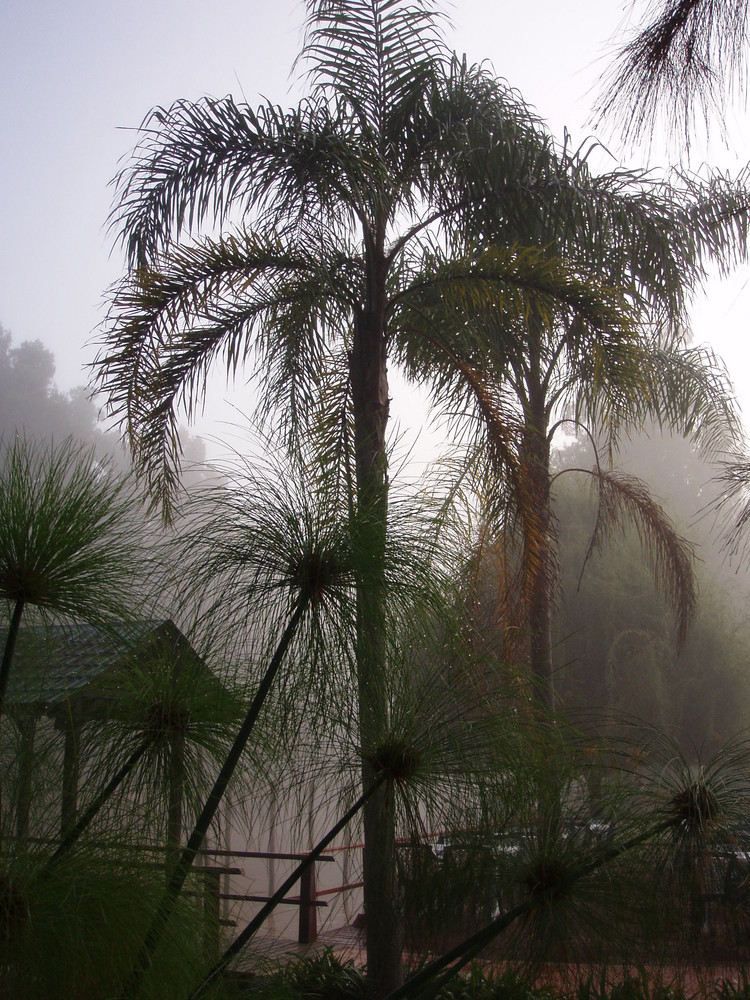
point(614, 638)
point(32, 405)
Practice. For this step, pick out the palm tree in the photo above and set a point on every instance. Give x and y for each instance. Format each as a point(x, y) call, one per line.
point(328, 213)
point(548, 366)
point(402, 174)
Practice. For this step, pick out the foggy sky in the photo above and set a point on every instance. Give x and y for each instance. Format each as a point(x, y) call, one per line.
point(78, 76)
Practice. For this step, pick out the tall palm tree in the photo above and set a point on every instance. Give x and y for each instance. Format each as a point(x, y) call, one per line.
point(327, 213)
point(549, 366)
point(404, 171)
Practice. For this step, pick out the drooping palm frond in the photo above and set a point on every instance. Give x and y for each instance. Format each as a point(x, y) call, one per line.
point(652, 236)
point(717, 208)
point(215, 159)
point(467, 312)
point(690, 392)
point(625, 499)
point(325, 439)
point(732, 506)
point(223, 301)
point(680, 66)
point(620, 386)
point(628, 227)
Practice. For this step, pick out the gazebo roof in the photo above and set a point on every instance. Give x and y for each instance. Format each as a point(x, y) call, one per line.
point(79, 667)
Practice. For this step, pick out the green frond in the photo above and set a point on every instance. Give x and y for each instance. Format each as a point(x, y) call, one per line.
point(391, 48)
point(652, 237)
point(717, 208)
point(215, 159)
point(732, 505)
point(690, 392)
point(479, 307)
point(678, 66)
point(68, 536)
point(616, 385)
point(224, 302)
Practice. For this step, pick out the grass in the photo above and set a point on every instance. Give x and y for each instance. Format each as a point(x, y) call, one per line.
point(325, 977)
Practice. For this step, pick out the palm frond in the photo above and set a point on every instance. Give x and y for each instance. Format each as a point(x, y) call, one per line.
point(391, 47)
point(623, 498)
point(732, 505)
point(690, 392)
point(717, 208)
point(215, 158)
point(495, 290)
point(213, 301)
point(619, 385)
point(680, 65)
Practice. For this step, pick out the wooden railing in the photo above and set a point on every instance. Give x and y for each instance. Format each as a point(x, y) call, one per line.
point(308, 900)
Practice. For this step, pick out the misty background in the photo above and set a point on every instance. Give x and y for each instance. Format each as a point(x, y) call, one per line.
point(78, 78)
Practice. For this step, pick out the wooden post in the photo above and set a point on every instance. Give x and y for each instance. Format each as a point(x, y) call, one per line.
point(212, 911)
point(26, 727)
point(70, 775)
point(176, 795)
point(308, 919)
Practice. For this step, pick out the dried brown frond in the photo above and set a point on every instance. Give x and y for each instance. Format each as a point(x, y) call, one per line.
point(625, 499)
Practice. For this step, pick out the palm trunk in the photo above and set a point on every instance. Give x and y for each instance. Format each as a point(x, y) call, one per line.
point(71, 771)
point(538, 571)
point(537, 526)
point(27, 729)
point(369, 380)
point(176, 795)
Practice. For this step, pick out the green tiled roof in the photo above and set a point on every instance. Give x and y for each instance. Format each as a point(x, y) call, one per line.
point(57, 665)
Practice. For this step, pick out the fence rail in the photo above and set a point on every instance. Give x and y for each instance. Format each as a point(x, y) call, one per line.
point(309, 899)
